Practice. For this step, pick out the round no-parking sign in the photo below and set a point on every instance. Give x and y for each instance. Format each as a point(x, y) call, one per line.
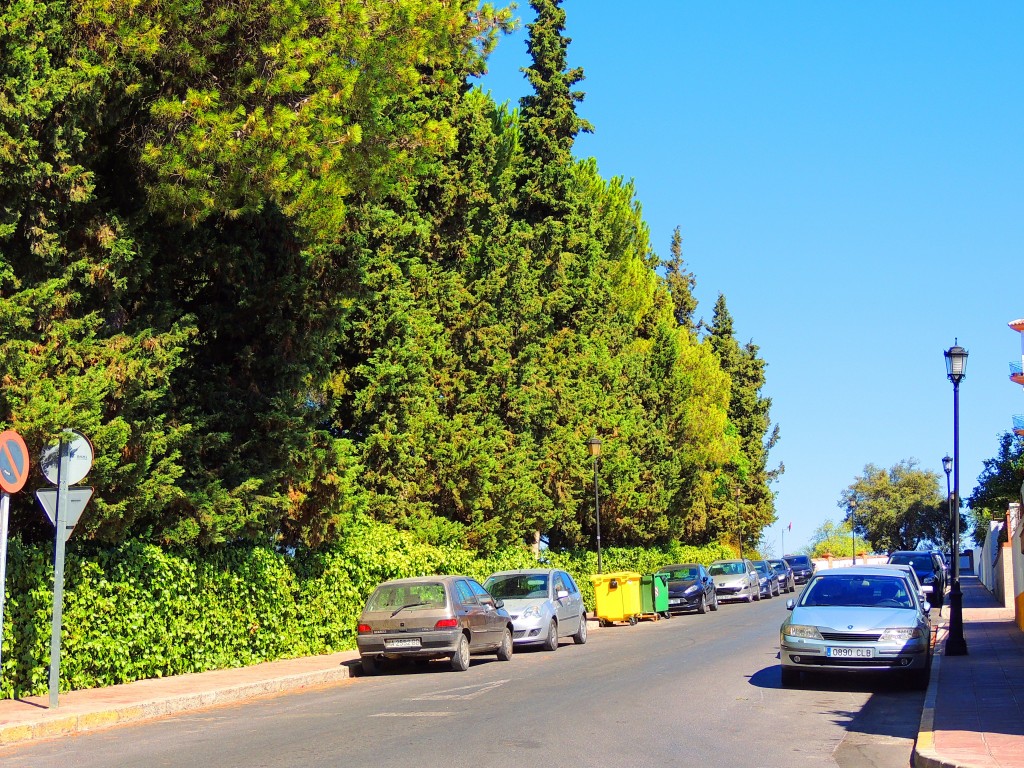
point(13, 461)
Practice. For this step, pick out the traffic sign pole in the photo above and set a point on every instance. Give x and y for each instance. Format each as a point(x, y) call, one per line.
point(58, 571)
point(5, 511)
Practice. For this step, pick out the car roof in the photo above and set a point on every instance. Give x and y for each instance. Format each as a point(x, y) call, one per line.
point(419, 579)
point(679, 565)
point(858, 570)
point(524, 572)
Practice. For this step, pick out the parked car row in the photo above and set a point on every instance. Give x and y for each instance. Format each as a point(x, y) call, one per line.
point(750, 580)
point(455, 617)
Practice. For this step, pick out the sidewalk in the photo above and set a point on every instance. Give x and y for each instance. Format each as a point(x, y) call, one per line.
point(974, 711)
point(973, 715)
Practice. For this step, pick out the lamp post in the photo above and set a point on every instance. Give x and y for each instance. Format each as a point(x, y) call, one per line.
point(739, 521)
point(947, 467)
point(594, 446)
point(853, 527)
point(956, 645)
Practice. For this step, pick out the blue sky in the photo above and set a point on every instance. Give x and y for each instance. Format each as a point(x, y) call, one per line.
point(850, 176)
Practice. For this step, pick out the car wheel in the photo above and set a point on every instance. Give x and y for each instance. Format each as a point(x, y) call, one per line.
point(460, 659)
point(551, 640)
point(505, 649)
point(714, 602)
point(790, 677)
point(369, 664)
point(581, 634)
point(702, 605)
point(757, 595)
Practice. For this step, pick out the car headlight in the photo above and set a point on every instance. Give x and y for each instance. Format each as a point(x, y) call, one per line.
point(901, 634)
point(533, 612)
point(691, 590)
point(802, 630)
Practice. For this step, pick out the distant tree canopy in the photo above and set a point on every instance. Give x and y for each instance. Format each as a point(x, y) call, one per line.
point(836, 539)
point(998, 486)
point(898, 508)
point(287, 269)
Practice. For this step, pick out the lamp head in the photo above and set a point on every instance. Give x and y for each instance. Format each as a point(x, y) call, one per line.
point(594, 446)
point(956, 363)
point(947, 465)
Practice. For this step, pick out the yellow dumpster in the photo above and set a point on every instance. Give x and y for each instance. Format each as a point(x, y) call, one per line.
point(616, 597)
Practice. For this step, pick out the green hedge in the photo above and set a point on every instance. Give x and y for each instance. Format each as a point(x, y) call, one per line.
point(140, 612)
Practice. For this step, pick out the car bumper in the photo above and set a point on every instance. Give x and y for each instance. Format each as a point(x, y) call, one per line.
point(429, 644)
point(684, 602)
point(529, 632)
point(735, 593)
point(812, 655)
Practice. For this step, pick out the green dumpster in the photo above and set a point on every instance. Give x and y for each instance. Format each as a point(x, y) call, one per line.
point(654, 596)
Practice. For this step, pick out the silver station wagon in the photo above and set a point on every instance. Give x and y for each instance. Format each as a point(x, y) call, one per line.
point(432, 617)
point(857, 620)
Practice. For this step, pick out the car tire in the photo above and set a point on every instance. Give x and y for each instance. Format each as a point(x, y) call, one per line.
point(702, 606)
point(551, 639)
point(505, 649)
point(757, 595)
point(369, 665)
point(632, 621)
point(581, 634)
point(714, 602)
point(460, 659)
point(790, 677)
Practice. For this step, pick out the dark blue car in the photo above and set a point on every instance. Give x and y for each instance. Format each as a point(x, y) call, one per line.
point(690, 588)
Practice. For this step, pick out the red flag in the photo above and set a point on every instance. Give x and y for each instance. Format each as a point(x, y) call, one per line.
point(791, 526)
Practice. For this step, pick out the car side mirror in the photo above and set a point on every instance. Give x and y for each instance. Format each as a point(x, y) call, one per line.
point(790, 604)
point(499, 603)
point(562, 593)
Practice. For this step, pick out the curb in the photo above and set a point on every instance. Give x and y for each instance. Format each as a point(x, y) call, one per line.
point(61, 724)
point(924, 754)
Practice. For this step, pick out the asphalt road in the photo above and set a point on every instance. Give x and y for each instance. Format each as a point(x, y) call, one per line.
point(693, 691)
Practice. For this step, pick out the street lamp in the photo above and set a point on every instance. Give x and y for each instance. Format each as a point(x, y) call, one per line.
point(853, 527)
point(594, 446)
point(739, 521)
point(947, 467)
point(956, 645)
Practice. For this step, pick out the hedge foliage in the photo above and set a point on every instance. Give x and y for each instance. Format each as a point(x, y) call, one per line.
point(137, 611)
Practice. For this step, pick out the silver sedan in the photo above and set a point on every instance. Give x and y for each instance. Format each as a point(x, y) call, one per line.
point(856, 620)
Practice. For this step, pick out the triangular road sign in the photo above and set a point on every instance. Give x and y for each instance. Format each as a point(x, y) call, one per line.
point(78, 497)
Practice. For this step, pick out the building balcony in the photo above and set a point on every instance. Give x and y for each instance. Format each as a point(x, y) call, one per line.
point(1017, 373)
point(1018, 425)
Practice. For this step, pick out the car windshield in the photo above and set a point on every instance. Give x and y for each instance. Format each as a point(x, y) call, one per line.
point(726, 569)
point(518, 586)
point(425, 594)
point(858, 591)
point(921, 562)
point(680, 574)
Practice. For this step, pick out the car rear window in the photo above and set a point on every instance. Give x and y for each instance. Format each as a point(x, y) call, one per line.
point(427, 594)
point(922, 562)
point(801, 560)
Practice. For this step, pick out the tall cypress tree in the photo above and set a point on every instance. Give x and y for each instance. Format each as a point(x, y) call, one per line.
point(749, 415)
point(680, 283)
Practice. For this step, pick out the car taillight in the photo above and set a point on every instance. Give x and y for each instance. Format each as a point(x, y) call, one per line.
point(364, 629)
point(446, 624)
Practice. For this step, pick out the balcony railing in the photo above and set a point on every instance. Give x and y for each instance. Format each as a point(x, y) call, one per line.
point(1018, 425)
point(1017, 373)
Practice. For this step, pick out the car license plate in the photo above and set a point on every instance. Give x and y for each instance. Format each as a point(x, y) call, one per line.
point(850, 653)
point(405, 642)
point(674, 601)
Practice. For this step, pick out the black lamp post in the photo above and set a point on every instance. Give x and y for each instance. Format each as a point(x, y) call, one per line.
point(594, 445)
point(947, 467)
point(956, 645)
point(853, 527)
